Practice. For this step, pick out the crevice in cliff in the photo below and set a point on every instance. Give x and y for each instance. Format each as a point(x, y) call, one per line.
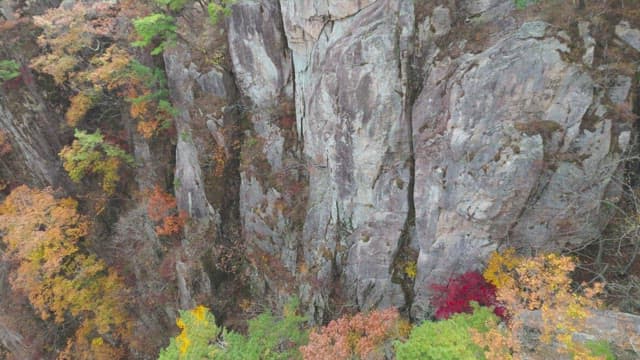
point(405, 261)
point(633, 165)
point(226, 259)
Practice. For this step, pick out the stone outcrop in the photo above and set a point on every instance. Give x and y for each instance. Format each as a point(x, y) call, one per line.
point(620, 330)
point(628, 34)
point(30, 126)
point(190, 192)
point(350, 96)
point(514, 143)
point(504, 155)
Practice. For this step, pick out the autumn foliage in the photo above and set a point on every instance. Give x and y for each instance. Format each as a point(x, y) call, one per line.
point(361, 336)
point(91, 154)
point(540, 283)
point(456, 296)
point(162, 209)
point(197, 329)
point(88, 54)
point(62, 281)
point(5, 145)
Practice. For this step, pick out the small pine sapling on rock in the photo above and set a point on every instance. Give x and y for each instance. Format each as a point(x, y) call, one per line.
point(158, 28)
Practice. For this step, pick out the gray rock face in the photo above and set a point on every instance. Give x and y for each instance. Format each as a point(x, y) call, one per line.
point(619, 91)
point(588, 42)
point(611, 326)
point(475, 7)
point(503, 153)
point(272, 189)
point(261, 62)
point(349, 102)
point(13, 342)
point(630, 35)
point(503, 156)
point(189, 187)
point(376, 133)
point(25, 119)
point(441, 21)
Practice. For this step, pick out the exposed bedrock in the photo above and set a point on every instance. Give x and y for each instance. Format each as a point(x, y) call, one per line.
point(350, 92)
point(514, 144)
point(513, 147)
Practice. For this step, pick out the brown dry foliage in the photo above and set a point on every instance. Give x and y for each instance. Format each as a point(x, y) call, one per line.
point(5, 145)
point(162, 209)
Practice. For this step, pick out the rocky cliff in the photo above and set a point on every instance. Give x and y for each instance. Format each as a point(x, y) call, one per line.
point(427, 134)
point(353, 153)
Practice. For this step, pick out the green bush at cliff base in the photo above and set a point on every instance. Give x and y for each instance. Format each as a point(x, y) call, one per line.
point(448, 339)
point(175, 5)
point(269, 337)
point(197, 337)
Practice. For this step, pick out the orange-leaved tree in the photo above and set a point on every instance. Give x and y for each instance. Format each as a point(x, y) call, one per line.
point(62, 281)
point(87, 53)
point(162, 209)
point(361, 336)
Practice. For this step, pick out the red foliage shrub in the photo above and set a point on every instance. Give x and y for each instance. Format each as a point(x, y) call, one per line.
point(456, 296)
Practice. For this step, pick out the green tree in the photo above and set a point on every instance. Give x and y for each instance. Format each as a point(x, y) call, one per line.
point(218, 9)
point(160, 28)
point(521, 4)
point(174, 5)
point(89, 153)
point(198, 332)
point(449, 339)
point(269, 337)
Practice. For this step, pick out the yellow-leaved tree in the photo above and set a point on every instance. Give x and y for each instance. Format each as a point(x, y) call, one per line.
point(63, 282)
point(86, 51)
point(541, 283)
